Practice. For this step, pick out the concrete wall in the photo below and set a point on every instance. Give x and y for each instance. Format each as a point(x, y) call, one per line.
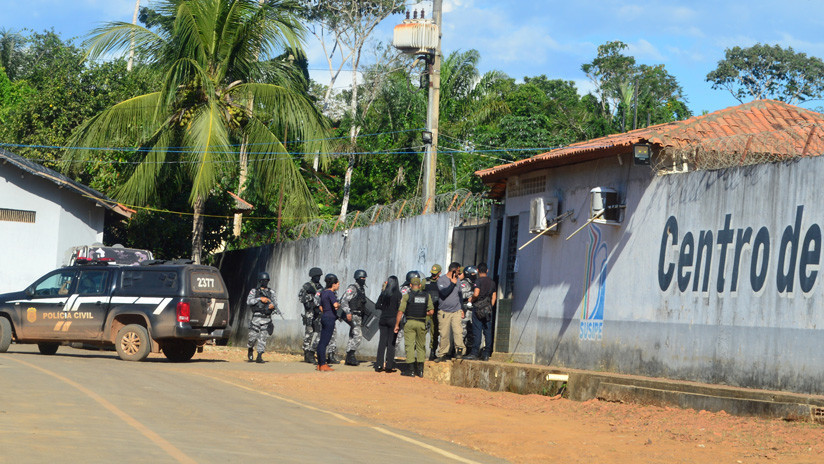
point(63, 219)
point(640, 297)
point(391, 248)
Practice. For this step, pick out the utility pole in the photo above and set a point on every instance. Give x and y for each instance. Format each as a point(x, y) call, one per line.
point(131, 49)
point(430, 161)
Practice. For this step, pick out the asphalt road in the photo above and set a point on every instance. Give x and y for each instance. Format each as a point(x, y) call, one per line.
point(82, 406)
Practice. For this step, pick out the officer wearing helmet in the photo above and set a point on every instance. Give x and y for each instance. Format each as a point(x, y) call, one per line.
point(405, 288)
point(353, 303)
point(467, 289)
point(261, 301)
point(309, 297)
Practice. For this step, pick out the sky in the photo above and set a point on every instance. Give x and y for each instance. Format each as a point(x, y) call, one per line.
point(527, 38)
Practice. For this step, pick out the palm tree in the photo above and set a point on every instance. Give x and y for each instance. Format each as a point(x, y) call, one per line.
point(214, 94)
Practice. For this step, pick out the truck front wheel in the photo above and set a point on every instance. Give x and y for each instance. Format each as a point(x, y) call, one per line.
point(5, 334)
point(133, 343)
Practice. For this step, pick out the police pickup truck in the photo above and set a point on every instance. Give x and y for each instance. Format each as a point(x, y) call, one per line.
point(173, 307)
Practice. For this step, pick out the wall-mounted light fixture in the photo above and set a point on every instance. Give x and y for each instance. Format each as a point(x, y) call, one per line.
point(641, 153)
point(427, 137)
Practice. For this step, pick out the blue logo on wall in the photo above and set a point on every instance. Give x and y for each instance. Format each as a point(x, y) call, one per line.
point(592, 317)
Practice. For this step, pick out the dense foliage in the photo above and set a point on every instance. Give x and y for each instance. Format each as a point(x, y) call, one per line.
point(48, 92)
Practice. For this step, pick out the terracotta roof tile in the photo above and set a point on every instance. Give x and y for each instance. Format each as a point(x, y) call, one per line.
point(789, 125)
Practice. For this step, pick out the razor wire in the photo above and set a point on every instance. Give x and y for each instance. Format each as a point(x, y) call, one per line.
point(716, 153)
point(469, 205)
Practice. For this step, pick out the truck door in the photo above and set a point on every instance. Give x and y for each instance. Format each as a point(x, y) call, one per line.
point(88, 307)
point(44, 316)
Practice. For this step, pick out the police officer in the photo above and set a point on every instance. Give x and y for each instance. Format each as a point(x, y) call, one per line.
point(261, 301)
point(405, 287)
point(416, 305)
point(431, 287)
point(309, 297)
point(467, 290)
point(353, 303)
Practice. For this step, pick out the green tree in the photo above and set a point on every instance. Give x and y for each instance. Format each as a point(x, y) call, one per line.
point(210, 70)
point(764, 71)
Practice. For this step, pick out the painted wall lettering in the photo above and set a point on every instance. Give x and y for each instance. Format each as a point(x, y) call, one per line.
point(690, 262)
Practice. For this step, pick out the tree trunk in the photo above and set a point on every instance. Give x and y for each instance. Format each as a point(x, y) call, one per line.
point(197, 229)
point(241, 185)
point(347, 185)
point(353, 137)
point(130, 63)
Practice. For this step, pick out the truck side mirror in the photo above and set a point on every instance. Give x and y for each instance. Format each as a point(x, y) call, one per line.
point(30, 292)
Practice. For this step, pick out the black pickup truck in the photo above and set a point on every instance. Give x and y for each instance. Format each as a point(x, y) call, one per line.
point(173, 307)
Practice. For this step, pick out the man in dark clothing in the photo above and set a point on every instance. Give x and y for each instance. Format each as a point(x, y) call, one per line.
point(483, 303)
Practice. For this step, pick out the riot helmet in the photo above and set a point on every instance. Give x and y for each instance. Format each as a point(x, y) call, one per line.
point(263, 279)
point(360, 277)
point(471, 273)
point(411, 275)
point(315, 274)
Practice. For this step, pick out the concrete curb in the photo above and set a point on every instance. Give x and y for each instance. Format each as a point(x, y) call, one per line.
point(586, 385)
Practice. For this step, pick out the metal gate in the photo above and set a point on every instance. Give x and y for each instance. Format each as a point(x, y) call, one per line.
point(470, 244)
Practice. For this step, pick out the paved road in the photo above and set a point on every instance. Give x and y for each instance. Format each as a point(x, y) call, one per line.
point(91, 407)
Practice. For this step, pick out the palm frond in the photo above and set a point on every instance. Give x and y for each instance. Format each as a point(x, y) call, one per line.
point(292, 111)
point(117, 36)
point(208, 138)
point(142, 184)
point(131, 122)
point(274, 170)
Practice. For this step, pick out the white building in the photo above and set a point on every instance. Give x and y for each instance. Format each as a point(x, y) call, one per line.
point(42, 214)
point(707, 269)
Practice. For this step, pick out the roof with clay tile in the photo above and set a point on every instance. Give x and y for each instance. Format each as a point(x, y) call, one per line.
point(763, 126)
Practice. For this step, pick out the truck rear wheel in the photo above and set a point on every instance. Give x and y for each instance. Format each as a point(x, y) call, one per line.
point(5, 334)
point(178, 350)
point(133, 343)
point(48, 348)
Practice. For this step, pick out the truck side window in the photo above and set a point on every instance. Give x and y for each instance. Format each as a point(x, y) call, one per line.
point(57, 284)
point(91, 282)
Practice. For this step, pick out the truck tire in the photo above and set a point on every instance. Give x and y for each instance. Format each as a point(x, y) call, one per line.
point(5, 334)
point(133, 343)
point(48, 348)
point(179, 350)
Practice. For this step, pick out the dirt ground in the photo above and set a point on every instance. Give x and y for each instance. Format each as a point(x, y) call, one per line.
point(534, 428)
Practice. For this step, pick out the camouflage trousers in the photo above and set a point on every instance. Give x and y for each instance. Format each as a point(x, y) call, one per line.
point(331, 348)
point(355, 333)
point(260, 328)
point(310, 340)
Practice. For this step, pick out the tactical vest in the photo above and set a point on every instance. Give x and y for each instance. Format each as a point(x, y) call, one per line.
point(416, 305)
point(261, 307)
point(358, 302)
point(432, 289)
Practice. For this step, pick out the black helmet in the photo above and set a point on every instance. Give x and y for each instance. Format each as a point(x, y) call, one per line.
point(471, 272)
point(315, 272)
point(360, 274)
point(263, 276)
point(330, 279)
point(412, 274)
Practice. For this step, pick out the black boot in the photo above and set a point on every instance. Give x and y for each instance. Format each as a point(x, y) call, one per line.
point(409, 370)
point(259, 359)
point(432, 355)
point(308, 357)
point(332, 358)
point(419, 369)
point(251, 354)
point(351, 360)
